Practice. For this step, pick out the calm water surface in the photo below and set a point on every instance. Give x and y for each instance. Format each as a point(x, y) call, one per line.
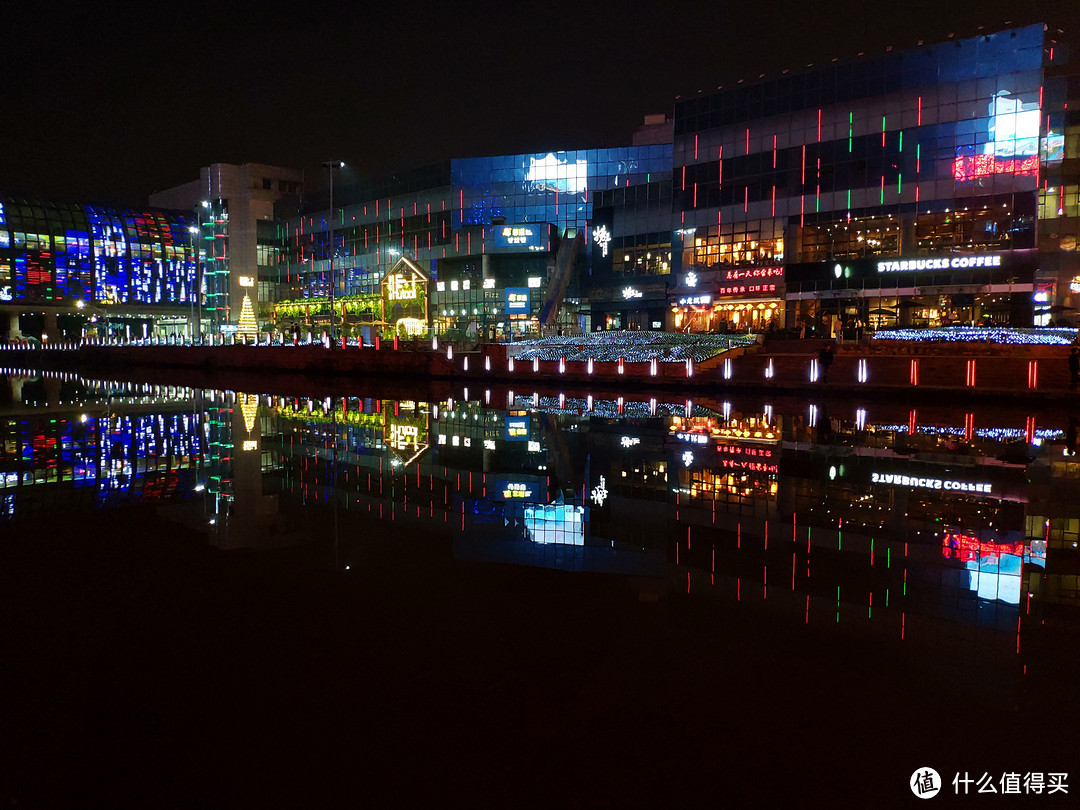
point(212, 594)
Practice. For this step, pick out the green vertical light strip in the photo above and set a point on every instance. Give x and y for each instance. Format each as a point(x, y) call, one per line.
point(850, 130)
point(888, 557)
point(886, 597)
point(838, 604)
point(901, 149)
point(899, 182)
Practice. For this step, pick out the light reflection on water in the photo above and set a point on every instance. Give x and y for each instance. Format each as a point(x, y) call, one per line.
point(877, 518)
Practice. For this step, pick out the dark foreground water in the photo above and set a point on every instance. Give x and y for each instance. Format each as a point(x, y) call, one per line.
point(305, 594)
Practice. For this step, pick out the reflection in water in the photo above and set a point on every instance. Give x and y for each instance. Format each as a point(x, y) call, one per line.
point(872, 518)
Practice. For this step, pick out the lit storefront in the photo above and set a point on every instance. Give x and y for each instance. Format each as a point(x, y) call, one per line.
point(638, 305)
point(922, 291)
point(733, 461)
point(746, 299)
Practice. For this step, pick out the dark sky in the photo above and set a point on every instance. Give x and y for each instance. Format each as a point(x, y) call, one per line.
point(110, 102)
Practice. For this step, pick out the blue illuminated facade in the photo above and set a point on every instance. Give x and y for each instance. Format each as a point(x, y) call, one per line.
point(477, 225)
point(58, 258)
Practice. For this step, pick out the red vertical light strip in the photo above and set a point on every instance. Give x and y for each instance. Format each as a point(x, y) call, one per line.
point(695, 147)
point(748, 140)
point(684, 178)
point(695, 195)
point(819, 124)
point(746, 199)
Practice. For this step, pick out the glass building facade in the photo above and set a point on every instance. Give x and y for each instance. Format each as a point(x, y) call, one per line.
point(62, 258)
point(945, 151)
point(486, 229)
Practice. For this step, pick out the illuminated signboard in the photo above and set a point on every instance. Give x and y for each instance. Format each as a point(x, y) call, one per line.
point(754, 272)
point(400, 288)
point(944, 263)
point(631, 292)
point(517, 300)
point(402, 437)
point(916, 482)
point(1012, 146)
point(551, 173)
point(527, 236)
point(517, 236)
point(693, 438)
point(5, 293)
point(691, 279)
point(555, 523)
point(743, 289)
point(516, 428)
point(249, 445)
point(502, 489)
point(1074, 286)
point(993, 569)
point(602, 237)
point(247, 281)
point(695, 300)
point(750, 459)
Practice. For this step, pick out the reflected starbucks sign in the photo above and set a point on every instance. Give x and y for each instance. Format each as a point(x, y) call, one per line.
point(919, 482)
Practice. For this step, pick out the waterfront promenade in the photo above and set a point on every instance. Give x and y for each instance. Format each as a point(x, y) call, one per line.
point(918, 368)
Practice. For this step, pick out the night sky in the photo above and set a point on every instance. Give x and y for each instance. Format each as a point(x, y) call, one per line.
point(111, 102)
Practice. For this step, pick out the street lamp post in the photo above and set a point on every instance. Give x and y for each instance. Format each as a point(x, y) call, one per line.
point(331, 165)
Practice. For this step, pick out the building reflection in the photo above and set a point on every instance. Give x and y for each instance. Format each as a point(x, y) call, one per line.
point(68, 444)
point(958, 526)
